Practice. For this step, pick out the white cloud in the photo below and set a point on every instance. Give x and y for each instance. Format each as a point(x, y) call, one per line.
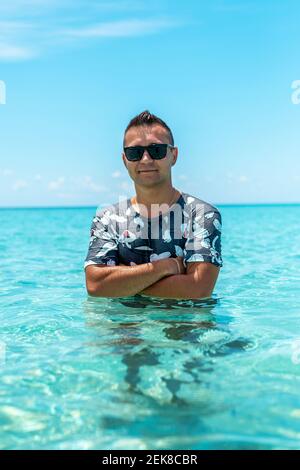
point(132, 27)
point(32, 6)
point(126, 186)
point(88, 183)
point(37, 29)
point(19, 184)
point(11, 52)
point(12, 40)
point(116, 174)
point(232, 178)
point(37, 177)
point(243, 179)
point(7, 172)
point(56, 184)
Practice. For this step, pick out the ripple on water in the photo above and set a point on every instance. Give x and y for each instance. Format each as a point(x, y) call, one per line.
point(140, 372)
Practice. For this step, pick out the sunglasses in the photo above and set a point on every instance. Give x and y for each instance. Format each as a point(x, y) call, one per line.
point(156, 151)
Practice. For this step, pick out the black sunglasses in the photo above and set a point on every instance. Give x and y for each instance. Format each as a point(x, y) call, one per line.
point(156, 151)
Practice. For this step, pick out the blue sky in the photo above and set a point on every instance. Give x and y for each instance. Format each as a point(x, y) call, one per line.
point(220, 74)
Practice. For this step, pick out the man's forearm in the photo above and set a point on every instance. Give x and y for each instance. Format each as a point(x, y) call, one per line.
point(180, 286)
point(123, 281)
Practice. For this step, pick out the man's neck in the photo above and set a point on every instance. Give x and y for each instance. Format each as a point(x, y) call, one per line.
point(147, 198)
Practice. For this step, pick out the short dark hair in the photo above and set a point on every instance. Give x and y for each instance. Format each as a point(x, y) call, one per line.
point(147, 119)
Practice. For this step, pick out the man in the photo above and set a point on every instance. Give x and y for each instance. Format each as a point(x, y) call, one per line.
point(139, 246)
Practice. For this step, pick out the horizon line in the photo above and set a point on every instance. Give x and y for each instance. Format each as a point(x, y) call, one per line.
point(223, 204)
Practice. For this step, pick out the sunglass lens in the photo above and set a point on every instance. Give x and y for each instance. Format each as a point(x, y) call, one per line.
point(157, 151)
point(134, 153)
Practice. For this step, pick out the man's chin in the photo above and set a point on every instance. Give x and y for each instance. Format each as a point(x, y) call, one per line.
point(148, 181)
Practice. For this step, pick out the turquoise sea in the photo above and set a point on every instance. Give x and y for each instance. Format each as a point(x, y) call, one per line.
point(137, 373)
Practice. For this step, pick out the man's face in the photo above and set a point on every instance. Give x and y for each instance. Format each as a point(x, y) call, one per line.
point(148, 172)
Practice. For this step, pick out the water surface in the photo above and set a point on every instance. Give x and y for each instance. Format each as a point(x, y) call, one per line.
point(136, 373)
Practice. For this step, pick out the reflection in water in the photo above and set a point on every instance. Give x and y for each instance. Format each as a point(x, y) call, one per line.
point(168, 356)
point(141, 301)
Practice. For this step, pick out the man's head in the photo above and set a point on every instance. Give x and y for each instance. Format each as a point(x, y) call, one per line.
point(147, 119)
point(146, 129)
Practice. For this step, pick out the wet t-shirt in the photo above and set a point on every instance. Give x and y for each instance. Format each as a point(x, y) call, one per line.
point(191, 228)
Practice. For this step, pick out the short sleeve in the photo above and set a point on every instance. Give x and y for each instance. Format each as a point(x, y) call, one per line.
point(204, 237)
point(103, 245)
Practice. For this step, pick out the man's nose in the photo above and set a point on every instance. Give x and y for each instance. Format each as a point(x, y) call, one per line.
point(146, 156)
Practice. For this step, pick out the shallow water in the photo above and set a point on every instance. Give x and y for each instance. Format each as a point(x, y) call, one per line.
point(137, 373)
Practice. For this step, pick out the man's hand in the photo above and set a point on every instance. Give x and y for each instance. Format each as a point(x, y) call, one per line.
point(197, 282)
point(181, 267)
point(176, 265)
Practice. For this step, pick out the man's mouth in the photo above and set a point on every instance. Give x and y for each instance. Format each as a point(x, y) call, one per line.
point(146, 171)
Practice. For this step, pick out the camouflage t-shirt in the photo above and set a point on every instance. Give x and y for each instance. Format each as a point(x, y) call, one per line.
point(191, 229)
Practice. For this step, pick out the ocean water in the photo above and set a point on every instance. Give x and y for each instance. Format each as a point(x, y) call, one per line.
point(86, 373)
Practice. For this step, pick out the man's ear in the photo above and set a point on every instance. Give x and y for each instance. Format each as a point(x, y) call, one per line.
point(175, 155)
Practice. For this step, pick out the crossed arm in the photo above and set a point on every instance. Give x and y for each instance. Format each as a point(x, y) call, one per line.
point(198, 282)
point(157, 279)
